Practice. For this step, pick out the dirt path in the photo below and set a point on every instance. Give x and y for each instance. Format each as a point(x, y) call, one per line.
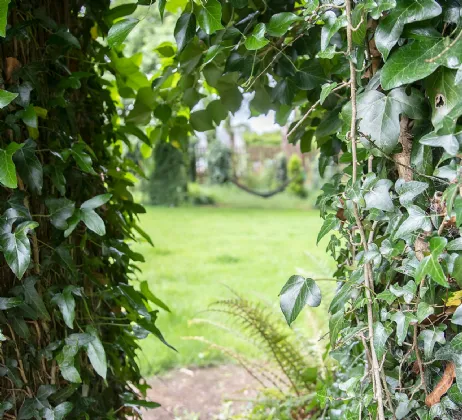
point(201, 391)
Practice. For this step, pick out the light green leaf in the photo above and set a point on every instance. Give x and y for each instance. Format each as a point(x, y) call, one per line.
point(7, 167)
point(430, 266)
point(387, 296)
point(331, 27)
point(430, 337)
point(280, 23)
point(209, 16)
point(391, 26)
point(185, 29)
point(120, 30)
point(408, 291)
point(448, 142)
point(96, 353)
point(96, 201)
point(5, 96)
point(335, 326)
point(455, 245)
point(381, 334)
point(409, 190)
point(65, 361)
point(378, 197)
point(257, 40)
point(3, 16)
point(297, 293)
point(62, 410)
point(424, 310)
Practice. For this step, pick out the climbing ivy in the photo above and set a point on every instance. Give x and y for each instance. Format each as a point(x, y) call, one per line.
point(71, 312)
point(376, 87)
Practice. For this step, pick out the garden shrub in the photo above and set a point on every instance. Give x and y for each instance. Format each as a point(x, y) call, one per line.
point(297, 177)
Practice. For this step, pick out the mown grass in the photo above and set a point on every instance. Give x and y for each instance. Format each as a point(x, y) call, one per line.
point(202, 253)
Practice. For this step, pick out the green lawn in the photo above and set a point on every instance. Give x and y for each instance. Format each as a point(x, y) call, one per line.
point(200, 251)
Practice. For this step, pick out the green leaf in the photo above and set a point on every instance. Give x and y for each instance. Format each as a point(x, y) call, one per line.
point(378, 197)
point(403, 320)
point(331, 223)
point(144, 289)
point(391, 26)
point(66, 304)
point(387, 296)
point(161, 5)
point(326, 90)
point(201, 121)
point(335, 326)
point(185, 29)
point(455, 245)
point(120, 30)
point(96, 201)
point(29, 117)
point(379, 115)
point(409, 190)
point(209, 16)
point(96, 353)
point(7, 167)
point(448, 142)
point(149, 326)
point(72, 222)
point(430, 337)
point(297, 293)
point(417, 220)
point(280, 23)
point(3, 16)
point(381, 334)
point(82, 159)
point(8, 303)
point(445, 99)
point(5, 96)
point(331, 26)
point(424, 310)
point(457, 270)
point(60, 210)
point(29, 167)
point(33, 298)
point(457, 316)
point(408, 291)
point(16, 249)
point(257, 39)
point(65, 361)
point(93, 221)
point(430, 266)
point(62, 410)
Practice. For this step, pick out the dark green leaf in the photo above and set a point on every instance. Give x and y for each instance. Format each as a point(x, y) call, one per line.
point(209, 16)
point(297, 293)
point(185, 29)
point(280, 23)
point(96, 353)
point(60, 210)
point(331, 223)
point(381, 334)
point(8, 303)
point(29, 166)
point(93, 221)
point(66, 304)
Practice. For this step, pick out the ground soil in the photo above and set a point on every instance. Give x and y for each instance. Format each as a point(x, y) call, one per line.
point(200, 391)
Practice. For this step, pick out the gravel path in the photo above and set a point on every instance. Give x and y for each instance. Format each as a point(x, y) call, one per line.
point(201, 391)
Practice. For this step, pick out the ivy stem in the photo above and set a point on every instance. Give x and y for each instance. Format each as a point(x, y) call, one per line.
point(367, 267)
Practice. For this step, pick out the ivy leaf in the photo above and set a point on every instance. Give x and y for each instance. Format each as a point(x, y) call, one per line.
point(430, 337)
point(335, 326)
point(391, 26)
point(381, 334)
point(16, 248)
point(6, 97)
point(7, 167)
point(120, 30)
point(331, 223)
point(185, 29)
point(378, 197)
point(209, 16)
point(280, 23)
point(66, 304)
point(417, 219)
point(150, 326)
point(457, 316)
point(448, 142)
point(326, 90)
point(257, 40)
point(29, 167)
point(62, 410)
point(379, 115)
point(445, 99)
point(3, 16)
point(96, 353)
point(297, 293)
point(387, 296)
point(33, 298)
point(93, 221)
point(408, 291)
point(96, 201)
point(403, 320)
point(331, 27)
point(82, 159)
point(144, 288)
point(8, 303)
point(430, 265)
point(424, 310)
point(65, 361)
point(409, 190)
point(60, 210)
point(29, 117)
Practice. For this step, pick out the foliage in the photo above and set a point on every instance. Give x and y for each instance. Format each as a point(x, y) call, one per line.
point(70, 317)
point(281, 168)
point(377, 88)
point(297, 176)
point(219, 163)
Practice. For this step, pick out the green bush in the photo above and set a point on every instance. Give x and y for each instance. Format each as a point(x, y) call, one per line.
point(297, 176)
